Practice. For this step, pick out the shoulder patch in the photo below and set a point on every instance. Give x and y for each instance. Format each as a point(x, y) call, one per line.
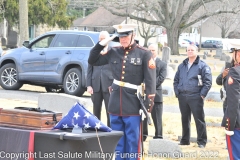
point(230, 80)
point(207, 69)
point(151, 64)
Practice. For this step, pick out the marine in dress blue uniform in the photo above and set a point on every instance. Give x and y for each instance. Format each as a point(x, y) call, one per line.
point(131, 65)
point(231, 119)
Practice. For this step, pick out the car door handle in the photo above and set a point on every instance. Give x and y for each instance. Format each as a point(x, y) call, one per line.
point(68, 52)
point(42, 53)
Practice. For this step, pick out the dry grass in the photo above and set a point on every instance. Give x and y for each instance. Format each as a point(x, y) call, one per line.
point(172, 129)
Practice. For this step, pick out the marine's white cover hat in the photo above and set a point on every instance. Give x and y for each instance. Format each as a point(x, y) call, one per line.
point(125, 29)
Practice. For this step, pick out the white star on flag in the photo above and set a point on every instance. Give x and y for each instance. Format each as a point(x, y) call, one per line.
point(65, 126)
point(98, 125)
point(75, 126)
point(87, 125)
point(87, 115)
point(76, 115)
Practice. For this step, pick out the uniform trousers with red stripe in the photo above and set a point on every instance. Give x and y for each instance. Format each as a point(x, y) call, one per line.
point(129, 146)
point(233, 145)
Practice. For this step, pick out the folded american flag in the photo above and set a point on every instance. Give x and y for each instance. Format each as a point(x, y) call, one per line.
point(79, 117)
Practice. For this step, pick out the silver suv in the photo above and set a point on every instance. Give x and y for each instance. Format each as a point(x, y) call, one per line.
point(56, 60)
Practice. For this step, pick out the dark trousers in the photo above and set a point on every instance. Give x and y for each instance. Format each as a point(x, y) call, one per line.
point(194, 105)
point(157, 121)
point(97, 98)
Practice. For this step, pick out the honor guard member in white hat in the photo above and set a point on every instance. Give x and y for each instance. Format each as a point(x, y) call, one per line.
point(131, 65)
point(231, 119)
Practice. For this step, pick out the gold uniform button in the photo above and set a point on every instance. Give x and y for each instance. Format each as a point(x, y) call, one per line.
point(149, 104)
point(135, 63)
point(123, 72)
point(130, 47)
point(125, 56)
point(124, 61)
point(126, 52)
point(148, 109)
point(122, 77)
point(227, 124)
point(123, 66)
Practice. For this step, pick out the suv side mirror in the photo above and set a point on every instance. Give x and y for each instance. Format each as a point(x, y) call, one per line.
point(25, 43)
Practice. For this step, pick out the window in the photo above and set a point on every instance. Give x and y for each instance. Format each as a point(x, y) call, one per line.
point(43, 42)
point(66, 40)
point(85, 41)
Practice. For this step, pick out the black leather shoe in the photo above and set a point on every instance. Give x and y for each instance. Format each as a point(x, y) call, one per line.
point(201, 146)
point(157, 137)
point(181, 143)
point(144, 138)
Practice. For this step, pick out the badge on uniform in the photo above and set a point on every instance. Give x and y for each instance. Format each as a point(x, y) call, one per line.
point(151, 64)
point(230, 80)
point(132, 60)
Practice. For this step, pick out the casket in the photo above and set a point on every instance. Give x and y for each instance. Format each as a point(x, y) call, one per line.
point(29, 119)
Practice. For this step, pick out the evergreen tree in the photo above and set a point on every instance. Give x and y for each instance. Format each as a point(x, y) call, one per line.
point(50, 12)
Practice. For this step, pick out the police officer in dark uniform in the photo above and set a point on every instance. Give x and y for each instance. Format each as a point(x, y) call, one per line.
point(131, 65)
point(192, 82)
point(231, 119)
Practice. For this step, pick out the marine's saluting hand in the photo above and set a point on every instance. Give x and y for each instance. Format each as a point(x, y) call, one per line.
point(105, 41)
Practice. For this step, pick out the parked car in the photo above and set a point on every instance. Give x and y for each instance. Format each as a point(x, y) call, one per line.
point(56, 60)
point(184, 43)
point(212, 44)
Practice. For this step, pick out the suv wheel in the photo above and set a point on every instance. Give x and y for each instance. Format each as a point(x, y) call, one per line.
point(54, 90)
point(9, 77)
point(72, 82)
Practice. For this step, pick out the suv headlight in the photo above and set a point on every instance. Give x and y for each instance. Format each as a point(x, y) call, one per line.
point(3, 52)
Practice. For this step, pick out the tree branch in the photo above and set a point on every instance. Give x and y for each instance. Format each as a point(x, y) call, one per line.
point(206, 16)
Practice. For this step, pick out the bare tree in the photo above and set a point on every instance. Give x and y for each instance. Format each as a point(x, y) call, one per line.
point(146, 31)
point(227, 21)
point(174, 15)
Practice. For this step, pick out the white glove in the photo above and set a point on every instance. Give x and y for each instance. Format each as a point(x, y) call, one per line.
point(229, 133)
point(105, 41)
point(142, 114)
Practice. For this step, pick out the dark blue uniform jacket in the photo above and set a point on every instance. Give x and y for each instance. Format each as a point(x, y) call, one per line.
point(231, 119)
point(186, 81)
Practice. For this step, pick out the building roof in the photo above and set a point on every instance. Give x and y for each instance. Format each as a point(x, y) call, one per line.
point(78, 21)
point(99, 18)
